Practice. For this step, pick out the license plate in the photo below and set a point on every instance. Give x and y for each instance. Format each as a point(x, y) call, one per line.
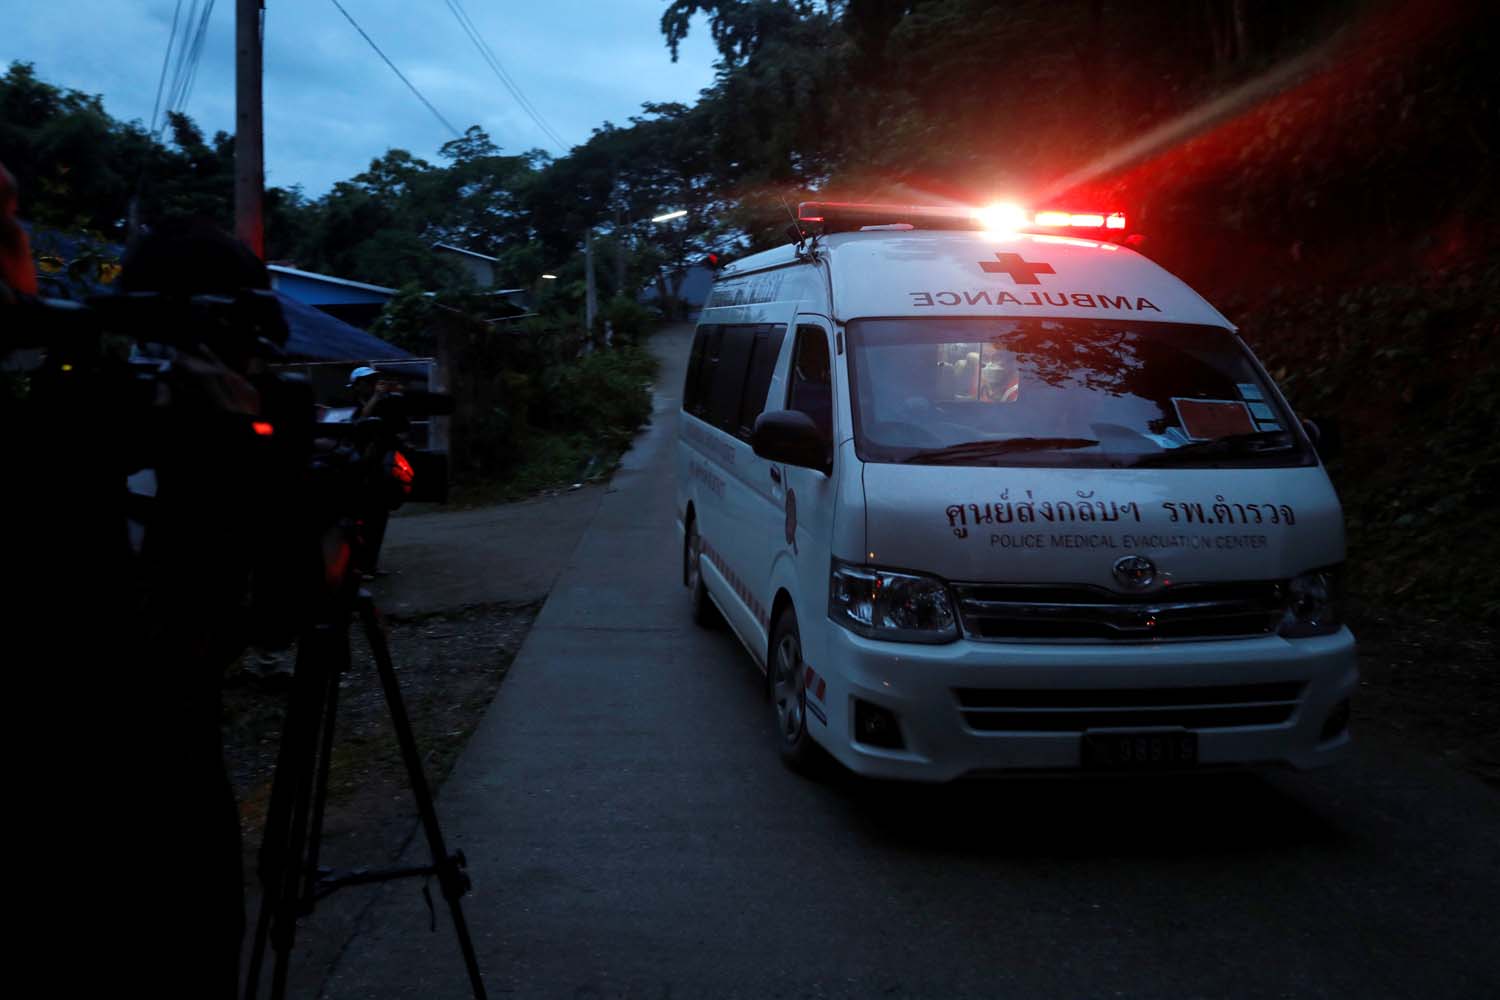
point(1124, 751)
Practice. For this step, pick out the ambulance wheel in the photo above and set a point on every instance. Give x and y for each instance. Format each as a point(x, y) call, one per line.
point(705, 614)
point(789, 694)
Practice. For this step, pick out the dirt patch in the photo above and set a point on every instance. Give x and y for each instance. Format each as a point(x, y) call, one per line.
point(449, 666)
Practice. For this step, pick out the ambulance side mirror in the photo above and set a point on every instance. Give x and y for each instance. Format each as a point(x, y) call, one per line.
point(791, 437)
point(1325, 438)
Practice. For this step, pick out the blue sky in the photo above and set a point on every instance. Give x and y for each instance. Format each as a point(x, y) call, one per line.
point(332, 105)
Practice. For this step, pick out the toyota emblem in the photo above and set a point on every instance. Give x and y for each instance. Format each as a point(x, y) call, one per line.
point(1135, 572)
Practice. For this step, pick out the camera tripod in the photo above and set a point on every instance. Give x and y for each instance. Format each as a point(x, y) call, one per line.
point(291, 880)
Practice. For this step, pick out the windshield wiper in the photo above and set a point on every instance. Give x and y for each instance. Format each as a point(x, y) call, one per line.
point(1232, 445)
point(1005, 446)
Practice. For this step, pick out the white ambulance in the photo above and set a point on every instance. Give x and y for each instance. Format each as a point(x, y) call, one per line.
point(982, 496)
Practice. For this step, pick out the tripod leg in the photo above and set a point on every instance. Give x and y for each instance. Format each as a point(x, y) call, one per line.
point(281, 849)
point(450, 875)
point(325, 757)
point(328, 644)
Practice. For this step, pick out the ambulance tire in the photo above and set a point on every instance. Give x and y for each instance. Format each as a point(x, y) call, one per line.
point(785, 678)
point(705, 613)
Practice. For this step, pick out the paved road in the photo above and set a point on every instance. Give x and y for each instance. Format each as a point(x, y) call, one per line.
point(632, 834)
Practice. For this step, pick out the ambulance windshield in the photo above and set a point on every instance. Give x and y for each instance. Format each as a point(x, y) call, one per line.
point(1062, 392)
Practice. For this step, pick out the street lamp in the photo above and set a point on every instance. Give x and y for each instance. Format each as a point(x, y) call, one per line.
point(591, 295)
point(536, 290)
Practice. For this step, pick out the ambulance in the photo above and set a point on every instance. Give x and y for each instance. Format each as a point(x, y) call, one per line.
point(990, 493)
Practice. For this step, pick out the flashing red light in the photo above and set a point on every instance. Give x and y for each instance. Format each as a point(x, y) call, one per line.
point(1053, 219)
point(263, 428)
point(402, 470)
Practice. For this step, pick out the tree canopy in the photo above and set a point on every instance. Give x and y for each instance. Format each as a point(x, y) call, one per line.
point(1261, 112)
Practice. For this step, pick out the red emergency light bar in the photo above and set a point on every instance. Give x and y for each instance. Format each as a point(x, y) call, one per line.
point(844, 216)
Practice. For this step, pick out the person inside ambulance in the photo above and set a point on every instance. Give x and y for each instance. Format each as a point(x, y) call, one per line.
point(1000, 379)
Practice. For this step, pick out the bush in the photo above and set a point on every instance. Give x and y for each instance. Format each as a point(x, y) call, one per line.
point(605, 394)
point(531, 409)
point(629, 320)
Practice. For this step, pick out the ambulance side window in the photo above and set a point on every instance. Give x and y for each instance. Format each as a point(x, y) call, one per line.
point(763, 354)
point(735, 345)
point(810, 381)
point(702, 366)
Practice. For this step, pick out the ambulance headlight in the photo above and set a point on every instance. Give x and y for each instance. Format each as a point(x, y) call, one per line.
point(881, 604)
point(1312, 605)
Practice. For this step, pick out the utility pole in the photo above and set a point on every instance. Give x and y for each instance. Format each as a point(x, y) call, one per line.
point(249, 136)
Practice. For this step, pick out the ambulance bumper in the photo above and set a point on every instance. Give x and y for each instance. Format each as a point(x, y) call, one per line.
point(971, 708)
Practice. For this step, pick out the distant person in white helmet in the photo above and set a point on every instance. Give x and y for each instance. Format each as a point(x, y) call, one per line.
point(368, 388)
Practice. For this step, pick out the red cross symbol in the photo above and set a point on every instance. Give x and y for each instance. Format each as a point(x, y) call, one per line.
point(1021, 272)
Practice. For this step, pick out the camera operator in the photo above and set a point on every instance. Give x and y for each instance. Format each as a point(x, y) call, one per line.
point(138, 834)
point(198, 548)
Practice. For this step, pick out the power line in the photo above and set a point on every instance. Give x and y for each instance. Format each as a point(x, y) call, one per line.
point(514, 87)
point(410, 86)
point(184, 51)
point(505, 78)
point(194, 57)
point(166, 60)
point(488, 55)
point(179, 64)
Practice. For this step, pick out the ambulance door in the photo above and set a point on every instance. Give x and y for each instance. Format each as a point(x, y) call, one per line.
point(760, 478)
point(799, 525)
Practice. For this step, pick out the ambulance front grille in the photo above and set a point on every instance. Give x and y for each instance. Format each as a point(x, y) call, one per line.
point(1217, 707)
point(1186, 611)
